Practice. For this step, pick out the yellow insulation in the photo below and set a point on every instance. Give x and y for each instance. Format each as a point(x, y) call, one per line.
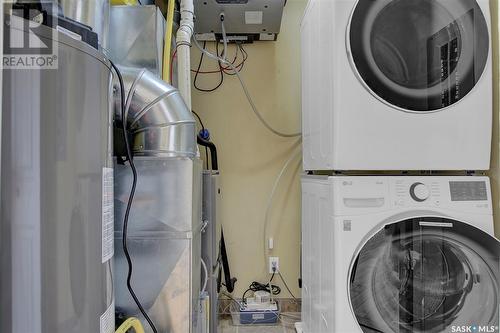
point(131, 323)
point(124, 2)
point(168, 42)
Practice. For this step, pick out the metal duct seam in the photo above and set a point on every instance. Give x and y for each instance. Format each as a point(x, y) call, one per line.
point(157, 116)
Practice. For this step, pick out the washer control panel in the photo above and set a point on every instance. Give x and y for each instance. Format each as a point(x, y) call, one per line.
point(419, 192)
point(364, 194)
point(459, 192)
point(468, 191)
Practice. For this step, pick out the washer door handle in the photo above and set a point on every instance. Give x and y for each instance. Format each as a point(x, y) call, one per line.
point(435, 224)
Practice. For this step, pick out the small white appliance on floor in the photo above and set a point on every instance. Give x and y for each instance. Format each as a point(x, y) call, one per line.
point(397, 85)
point(399, 254)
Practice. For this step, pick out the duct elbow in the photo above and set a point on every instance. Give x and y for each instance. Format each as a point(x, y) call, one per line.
point(156, 115)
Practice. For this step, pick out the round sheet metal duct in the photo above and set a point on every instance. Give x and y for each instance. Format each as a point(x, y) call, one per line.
point(161, 123)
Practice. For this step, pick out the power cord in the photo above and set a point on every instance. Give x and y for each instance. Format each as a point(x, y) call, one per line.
point(257, 286)
point(286, 286)
point(195, 81)
point(203, 128)
point(130, 201)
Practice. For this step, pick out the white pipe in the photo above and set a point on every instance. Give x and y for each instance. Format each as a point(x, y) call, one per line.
point(184, 35)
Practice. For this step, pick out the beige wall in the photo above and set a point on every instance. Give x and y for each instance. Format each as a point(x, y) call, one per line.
point(251, 157)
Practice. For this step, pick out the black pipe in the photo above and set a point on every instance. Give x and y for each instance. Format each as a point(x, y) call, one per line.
point(213, 151)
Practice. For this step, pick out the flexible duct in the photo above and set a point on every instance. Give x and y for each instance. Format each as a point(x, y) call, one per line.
point(157, 116)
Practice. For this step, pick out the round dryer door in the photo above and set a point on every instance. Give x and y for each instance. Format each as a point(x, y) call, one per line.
point(427, 274)
point(418, 55)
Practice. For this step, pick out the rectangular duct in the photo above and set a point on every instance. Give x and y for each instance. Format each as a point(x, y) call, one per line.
point(137, 37)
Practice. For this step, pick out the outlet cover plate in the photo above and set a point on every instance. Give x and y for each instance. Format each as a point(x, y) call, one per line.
point(274, 262)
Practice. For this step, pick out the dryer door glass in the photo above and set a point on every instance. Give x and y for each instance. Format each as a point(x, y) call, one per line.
point(419, 55)
point(426, 274)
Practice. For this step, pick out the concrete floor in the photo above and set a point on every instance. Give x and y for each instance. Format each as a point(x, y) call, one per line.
point(286, 325)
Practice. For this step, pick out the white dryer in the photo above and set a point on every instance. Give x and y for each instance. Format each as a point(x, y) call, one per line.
point(397, 85)
point(399, 254)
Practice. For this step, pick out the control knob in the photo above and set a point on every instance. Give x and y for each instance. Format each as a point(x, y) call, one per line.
point(419, 192)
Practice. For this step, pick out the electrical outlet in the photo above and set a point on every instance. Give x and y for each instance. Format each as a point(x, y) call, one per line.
point(274, 265)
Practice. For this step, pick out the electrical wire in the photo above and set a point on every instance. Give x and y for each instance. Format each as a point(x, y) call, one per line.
point(199, 119)
point(286, 285)
point(203, 128)
point(224, 51)
point(227, 69)
point(221, 71)
point(241, 65)
point(174, 55)
point(130, 200)
point(257, 286)
point(245, 89)
point(271, 286)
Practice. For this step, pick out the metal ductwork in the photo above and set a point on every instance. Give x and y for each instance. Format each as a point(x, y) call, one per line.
point(164, 235)
point(159, 120)
point(93, 13)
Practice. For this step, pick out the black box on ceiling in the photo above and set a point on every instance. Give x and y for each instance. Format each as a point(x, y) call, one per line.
point(245, 20)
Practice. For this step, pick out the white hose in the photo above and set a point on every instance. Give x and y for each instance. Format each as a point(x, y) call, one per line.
point(224, 39)
point(271, 198)
point(244, 86)
point(205, 271)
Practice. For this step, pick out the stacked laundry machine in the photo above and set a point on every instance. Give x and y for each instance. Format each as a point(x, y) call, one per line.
point(397, 127)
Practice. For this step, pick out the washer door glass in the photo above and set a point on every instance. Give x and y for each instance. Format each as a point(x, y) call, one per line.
point(427, 274)
point(419, 55)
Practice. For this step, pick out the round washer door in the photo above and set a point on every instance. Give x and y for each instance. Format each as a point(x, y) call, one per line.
point(418, 55)
point(427, 274)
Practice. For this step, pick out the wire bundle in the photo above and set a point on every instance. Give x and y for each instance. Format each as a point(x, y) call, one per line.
point(223, 69)
point(223, 60)
point(257, 286)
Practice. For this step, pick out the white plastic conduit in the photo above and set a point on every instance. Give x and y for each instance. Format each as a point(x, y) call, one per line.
point(183, 39)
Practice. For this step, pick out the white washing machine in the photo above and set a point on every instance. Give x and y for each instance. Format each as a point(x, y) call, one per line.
point(397, 85)
point(399, 254)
